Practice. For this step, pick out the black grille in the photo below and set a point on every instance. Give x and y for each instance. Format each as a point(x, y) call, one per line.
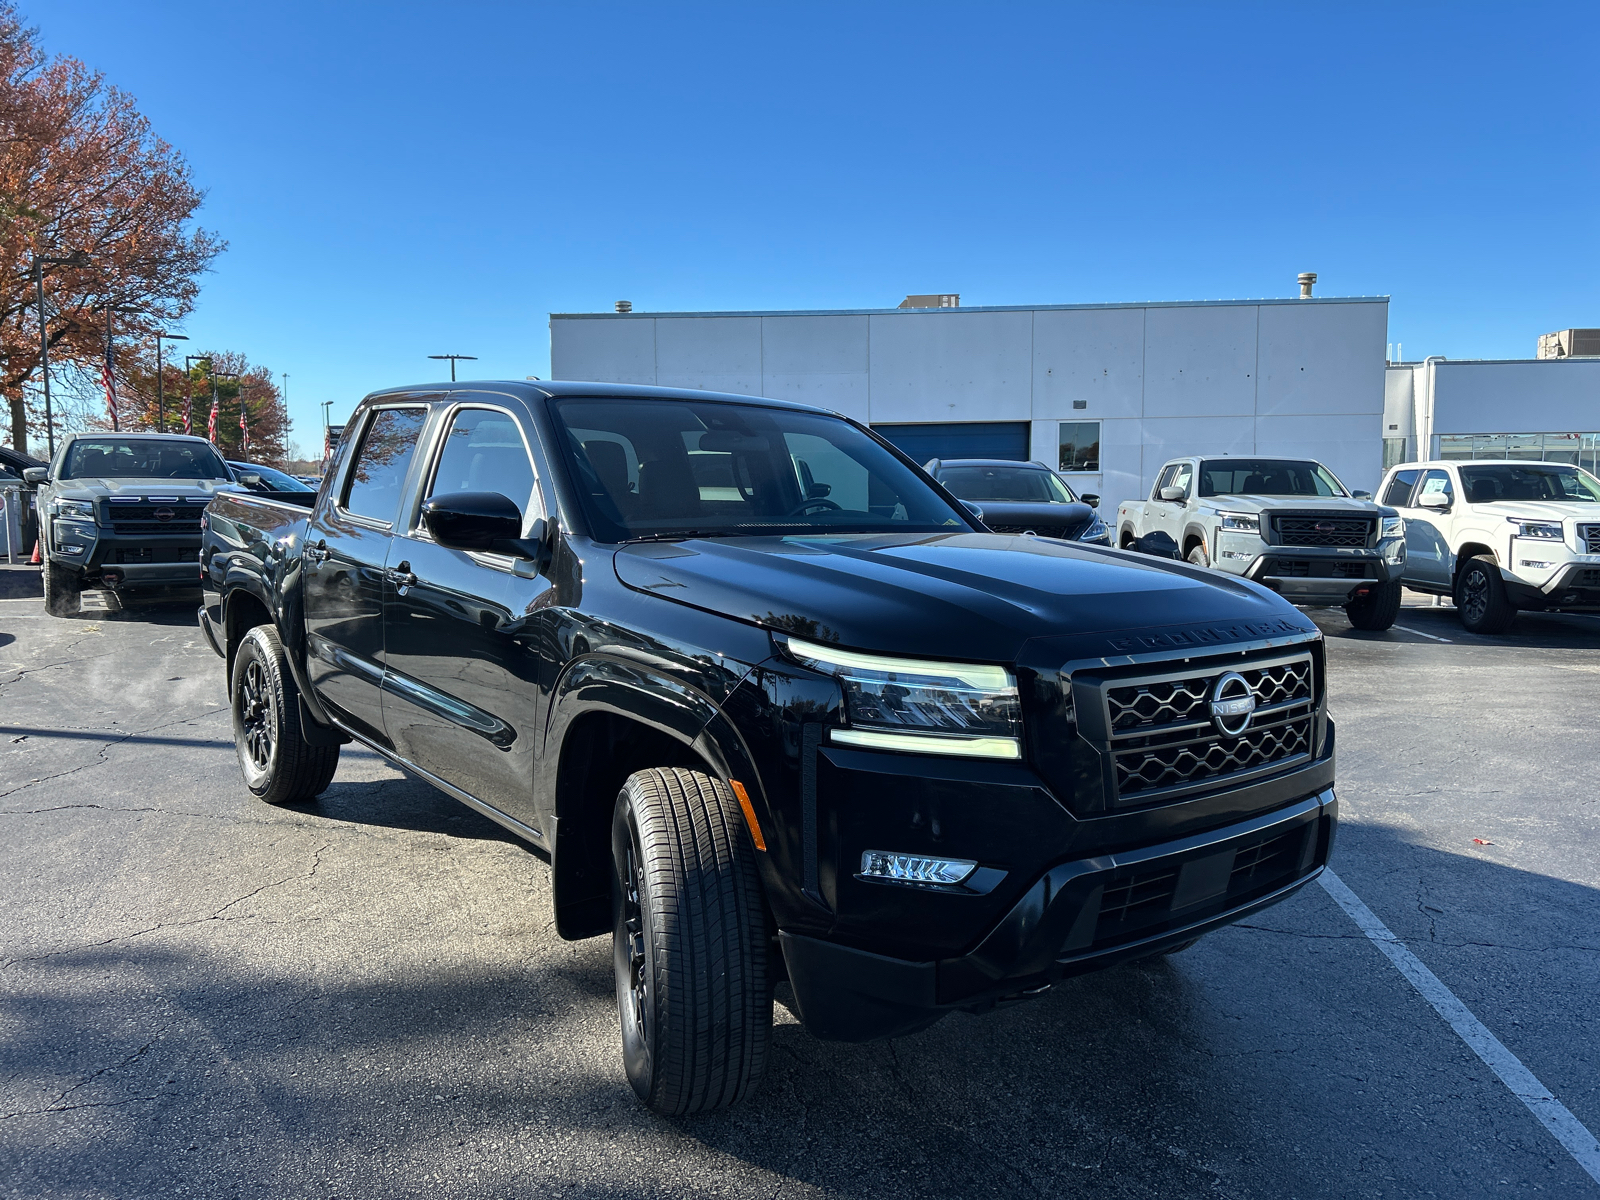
point(1163, 739)
point(124, 555)
point(1323, 568)
point(1049, 531)
point(1323, 531)
point(1588, 577)
point(143, 518)
point(1591, 538)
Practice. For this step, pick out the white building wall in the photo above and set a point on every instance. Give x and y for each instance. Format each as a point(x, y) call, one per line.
point(1441, 396)
point(1300, 377)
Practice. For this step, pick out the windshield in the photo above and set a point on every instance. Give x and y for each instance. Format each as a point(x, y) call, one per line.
point(272, 479)
point(1528, 481)
point(1000, 484)
point(1267, 477)
point(671, 468)
point(141, 458)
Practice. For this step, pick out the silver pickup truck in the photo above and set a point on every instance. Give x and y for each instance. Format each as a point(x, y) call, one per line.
point(1286, 523)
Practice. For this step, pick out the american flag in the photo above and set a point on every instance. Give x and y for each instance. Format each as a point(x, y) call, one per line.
point(188, 421)
point(211, 425)
point(109, 384)
point(244, 425)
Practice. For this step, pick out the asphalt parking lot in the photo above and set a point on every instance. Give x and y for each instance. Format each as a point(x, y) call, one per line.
point(363, 996)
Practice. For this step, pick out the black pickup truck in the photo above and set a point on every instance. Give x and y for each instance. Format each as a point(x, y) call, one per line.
point(774, 706)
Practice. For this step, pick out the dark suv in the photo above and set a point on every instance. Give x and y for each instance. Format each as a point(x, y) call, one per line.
point(773, 706)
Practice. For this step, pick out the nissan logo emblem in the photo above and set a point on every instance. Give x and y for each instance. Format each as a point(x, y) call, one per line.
point(165, 514)
point(1233, 702)
point(1324, 527)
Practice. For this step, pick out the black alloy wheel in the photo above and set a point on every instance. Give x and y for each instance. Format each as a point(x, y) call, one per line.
point(278, 764)
point(1481, 599)
point(689, 943)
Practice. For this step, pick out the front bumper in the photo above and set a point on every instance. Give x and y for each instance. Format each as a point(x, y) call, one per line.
point(117, 560)
point(1078, 916)
point(1323, 575)
point(1573, 586)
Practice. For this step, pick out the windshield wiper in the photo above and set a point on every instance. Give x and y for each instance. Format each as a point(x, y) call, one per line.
point(683, 535)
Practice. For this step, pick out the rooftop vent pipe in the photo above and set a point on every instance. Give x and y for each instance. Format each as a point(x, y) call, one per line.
point(627, 305)
point(1307, 278)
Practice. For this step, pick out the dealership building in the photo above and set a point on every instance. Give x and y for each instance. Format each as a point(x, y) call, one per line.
point(1108, 392)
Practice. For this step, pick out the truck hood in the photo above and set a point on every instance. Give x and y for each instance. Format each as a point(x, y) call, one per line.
point(956, 595)
point(1538, 510)
point(1300, 504)
point(89, 488)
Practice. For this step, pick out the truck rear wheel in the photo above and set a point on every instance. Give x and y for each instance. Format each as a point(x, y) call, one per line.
point(1378, 609)
point(1481, 598)
point(62, 595)
point(689, 943)
point(278, 765)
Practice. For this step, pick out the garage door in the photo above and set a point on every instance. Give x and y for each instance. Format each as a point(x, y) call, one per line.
point(971, 439)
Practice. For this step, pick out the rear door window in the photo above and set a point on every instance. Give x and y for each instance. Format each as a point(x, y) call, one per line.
point(1398, 493)
point(378, 475)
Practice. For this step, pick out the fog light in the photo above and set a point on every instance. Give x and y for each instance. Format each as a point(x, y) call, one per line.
point(914, 868)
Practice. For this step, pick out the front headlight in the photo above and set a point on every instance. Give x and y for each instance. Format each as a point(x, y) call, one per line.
point(1392, 527)
point(1096, 532)
point(919, 706)
point(82, 509)
point(1544, 530)
point(1242, 522)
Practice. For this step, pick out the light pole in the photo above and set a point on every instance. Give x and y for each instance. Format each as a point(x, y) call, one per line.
point(108, 378)
point(161, 395)
point(188, 389)
point(453, 359)
point(76, 259)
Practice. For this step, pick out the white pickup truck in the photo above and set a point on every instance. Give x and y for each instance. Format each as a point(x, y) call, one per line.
point(1500, 536)
point(1286, 523)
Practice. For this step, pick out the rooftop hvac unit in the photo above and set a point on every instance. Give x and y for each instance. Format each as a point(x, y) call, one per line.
point(1570, 343)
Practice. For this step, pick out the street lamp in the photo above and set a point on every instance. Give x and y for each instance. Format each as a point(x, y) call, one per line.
point(453, 359)
point(188, 389)
point(76, 259)
point(161, 395)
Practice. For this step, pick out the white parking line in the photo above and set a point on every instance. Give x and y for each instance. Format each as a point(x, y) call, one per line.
point(1552, 1114)
point(1419, 633)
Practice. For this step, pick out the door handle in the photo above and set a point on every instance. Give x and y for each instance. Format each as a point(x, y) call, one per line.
point(402, 577)
point(316, 554)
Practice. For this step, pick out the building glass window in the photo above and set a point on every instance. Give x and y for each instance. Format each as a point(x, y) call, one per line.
point(1080, 445)
point(1575, 449)
point(1394, 452)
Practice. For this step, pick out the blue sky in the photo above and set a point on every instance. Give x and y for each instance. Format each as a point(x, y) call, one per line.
point(400, 179)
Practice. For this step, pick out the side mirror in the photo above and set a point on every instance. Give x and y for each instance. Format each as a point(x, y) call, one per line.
point(250, 479)
point(818, 491)
point(484, 521)
point(1360, 495)
point(1439, 500)
point(974, 510)
point(36, 475)
point(1090, 499)
point(1172, 493)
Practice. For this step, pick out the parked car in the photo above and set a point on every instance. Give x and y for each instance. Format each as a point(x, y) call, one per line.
point(13, 462)
point(772, 705)
point(1021, 497)
point(1500, 536)
point(121, 512)
point(1286, 523)
point(314, 481)
point(260, 478)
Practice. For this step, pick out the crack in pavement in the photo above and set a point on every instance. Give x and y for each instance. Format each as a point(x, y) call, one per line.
point(215, 916)
point(1443, 945)
point(56, 1105)
point(100, 759)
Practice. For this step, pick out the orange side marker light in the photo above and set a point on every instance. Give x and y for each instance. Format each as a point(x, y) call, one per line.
point(749, 814)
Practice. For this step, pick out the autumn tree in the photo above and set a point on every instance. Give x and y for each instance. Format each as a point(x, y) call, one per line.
point(81, 172)
point(234, 376)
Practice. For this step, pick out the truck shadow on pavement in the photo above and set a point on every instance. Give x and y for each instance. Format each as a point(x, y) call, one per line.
point(401, 802)
point(1530, 631)
point(1215, 1072)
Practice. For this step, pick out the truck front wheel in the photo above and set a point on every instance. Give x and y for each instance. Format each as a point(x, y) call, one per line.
point(1378, 609)
point(689, 943)
point(62, 595)
point(1481, 597)
point(278, 765)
